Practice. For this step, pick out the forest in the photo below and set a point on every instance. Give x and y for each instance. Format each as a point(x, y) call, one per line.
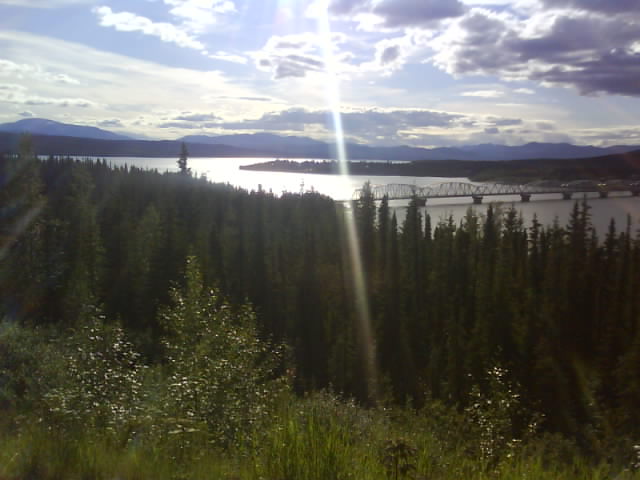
point(615, 166)
point(161, 325)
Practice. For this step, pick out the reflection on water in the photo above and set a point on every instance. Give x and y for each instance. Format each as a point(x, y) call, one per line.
point(547, 206)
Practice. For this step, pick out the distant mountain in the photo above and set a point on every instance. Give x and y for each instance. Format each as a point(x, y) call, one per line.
point(41, 126)
point(91, 147)
point(257, 140)
point(296, 147)
point(81, 140)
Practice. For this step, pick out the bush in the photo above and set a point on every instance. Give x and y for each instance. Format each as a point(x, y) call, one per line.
point(220, 376)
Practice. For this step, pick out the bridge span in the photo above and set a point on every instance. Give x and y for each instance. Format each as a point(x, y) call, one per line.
point(397, 191)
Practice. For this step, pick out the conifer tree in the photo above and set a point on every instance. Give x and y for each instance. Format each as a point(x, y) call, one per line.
point(182, 161)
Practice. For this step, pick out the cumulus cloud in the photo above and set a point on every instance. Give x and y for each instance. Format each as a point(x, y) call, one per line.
point(603, 6)
point(593, 53)
point(403, 13)
point(297, 55)
point(198, 15)
point(391, 54)
point(392, 14)
point(130, 22)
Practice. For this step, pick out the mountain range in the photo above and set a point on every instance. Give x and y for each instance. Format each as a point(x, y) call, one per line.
point(57, 138)
point(42, 126)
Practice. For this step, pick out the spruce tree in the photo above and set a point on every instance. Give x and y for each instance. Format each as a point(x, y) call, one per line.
point(182, 161)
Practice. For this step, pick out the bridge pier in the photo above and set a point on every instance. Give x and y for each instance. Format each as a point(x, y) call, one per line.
point(603, 193)
point(477, 199)
point(567, 195)
point(525, 197)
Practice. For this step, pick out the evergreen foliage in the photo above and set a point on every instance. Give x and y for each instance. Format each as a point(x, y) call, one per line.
point(105, 328)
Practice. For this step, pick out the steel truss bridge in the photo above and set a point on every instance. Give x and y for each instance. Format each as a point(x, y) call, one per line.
point(477, 192)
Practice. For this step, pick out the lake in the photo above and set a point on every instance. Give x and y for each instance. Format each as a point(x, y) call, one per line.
point(547, 207)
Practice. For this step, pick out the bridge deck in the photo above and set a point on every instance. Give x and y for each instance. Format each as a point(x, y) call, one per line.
point(462, 189)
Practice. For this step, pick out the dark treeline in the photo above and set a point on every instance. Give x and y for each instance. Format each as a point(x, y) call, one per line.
point(615, 166)
point(554, 307)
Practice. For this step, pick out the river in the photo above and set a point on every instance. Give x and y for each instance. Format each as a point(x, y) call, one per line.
point(547, 207)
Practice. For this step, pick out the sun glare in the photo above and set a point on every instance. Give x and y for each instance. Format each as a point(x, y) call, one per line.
point(364, 329)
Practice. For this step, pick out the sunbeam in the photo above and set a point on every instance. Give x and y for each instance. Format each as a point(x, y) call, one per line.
point(364, 329)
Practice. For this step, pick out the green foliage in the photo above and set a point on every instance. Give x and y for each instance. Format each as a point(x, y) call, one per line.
point(187, 372)
point(398, 456)
point(29, 368)
point(220, 376)
point(102, 384)
point(319, 437)
point(493, 416)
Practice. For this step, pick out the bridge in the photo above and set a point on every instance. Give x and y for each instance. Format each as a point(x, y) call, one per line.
point(477, 192)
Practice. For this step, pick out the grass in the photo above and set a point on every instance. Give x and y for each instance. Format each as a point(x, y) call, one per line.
point(315, 438)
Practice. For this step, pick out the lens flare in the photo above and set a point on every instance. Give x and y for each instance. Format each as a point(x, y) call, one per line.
point(364, 329)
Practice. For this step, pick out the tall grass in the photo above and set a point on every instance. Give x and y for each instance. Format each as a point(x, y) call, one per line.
point(315, 438)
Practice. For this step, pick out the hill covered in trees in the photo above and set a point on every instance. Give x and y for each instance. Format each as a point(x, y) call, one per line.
point(625, 165)
point(163, 324)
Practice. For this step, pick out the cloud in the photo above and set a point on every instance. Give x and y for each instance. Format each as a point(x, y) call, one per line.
point(344, 7)
point(483, 93)
point(369, 124)
point(27, 114)
point(19, 96)
point(404, 13)
point(111, 123)
point(229, 57)
point(296, 55)
point(213, 98)
point(198, 117)
point(391, 54)
point(180, 125)
point(504, 122)
point(130, 22)
point(198, 15)
point(491, 130)
point(525, 91)
point(547, 126)
point(601, 6)
point(45, 3)
point(391, 14)
point(116, 86)
point(22, 70)
point(593, 53)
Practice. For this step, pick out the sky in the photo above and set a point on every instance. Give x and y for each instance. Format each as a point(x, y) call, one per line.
point(424, 73)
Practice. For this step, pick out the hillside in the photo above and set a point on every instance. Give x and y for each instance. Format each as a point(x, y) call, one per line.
point(56, 145)
point(625, 165)
point(42, 126)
